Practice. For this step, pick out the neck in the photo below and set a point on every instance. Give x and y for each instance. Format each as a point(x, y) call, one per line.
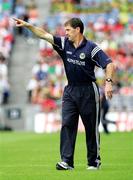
point(78, 41)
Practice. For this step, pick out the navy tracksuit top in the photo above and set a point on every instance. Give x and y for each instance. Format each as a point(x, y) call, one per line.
point(80, 62)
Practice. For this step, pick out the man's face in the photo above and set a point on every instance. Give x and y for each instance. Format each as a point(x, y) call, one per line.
point(71, 33)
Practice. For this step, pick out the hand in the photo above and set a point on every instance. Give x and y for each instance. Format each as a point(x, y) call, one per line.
point(21, 23)
point(108, 90)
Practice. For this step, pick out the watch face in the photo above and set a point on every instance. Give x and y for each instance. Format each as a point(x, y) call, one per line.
point(109, 80)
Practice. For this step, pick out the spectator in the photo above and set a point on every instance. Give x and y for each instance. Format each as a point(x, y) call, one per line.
point(104, 110)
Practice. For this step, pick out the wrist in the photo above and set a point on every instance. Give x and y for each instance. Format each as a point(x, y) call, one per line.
point(27, 24)
point(109, 80)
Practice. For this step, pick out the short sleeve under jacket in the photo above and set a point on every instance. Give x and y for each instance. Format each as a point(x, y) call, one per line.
point(80, 62)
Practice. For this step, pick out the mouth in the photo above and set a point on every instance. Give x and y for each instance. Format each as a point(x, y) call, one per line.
point(69, 37)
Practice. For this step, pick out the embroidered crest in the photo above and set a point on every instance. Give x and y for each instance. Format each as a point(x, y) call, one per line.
point(82, 56)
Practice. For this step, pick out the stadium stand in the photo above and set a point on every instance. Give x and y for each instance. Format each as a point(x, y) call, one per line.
point(6, 44)
point(108, 23)
point(105, 26)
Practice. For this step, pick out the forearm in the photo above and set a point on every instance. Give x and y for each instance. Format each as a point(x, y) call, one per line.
point(39, 32)
point(109, 79)
point(109, 72)
point(36, 30)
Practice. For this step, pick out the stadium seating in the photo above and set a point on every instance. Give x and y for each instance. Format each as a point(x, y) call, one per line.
point(105, 27)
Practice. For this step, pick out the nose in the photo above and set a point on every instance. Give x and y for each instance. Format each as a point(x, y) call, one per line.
point(66, 33)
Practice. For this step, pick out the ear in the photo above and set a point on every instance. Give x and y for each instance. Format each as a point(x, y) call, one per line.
point(78, 29)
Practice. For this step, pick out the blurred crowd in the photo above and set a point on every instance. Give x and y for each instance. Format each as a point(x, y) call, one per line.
point(113, 33)
point(111, 28)
point(6, 44)
point(9, 9)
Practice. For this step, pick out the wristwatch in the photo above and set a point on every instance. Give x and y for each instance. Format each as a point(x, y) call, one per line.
point(109, 80)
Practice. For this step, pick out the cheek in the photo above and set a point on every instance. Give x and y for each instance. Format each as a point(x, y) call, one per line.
point(74, 33)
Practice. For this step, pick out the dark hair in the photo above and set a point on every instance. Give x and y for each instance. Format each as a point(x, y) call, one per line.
point(74, 23)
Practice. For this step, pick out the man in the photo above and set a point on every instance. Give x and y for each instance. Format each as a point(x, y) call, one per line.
point(81, 95)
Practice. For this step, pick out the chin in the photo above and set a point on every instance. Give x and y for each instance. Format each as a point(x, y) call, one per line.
point(70, 40)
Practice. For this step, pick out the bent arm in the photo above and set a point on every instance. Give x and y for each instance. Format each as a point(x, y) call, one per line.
point(39, 32)
point(110, 69)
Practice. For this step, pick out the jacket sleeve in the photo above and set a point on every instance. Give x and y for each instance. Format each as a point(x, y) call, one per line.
point(100, 58)
point(59, 43)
